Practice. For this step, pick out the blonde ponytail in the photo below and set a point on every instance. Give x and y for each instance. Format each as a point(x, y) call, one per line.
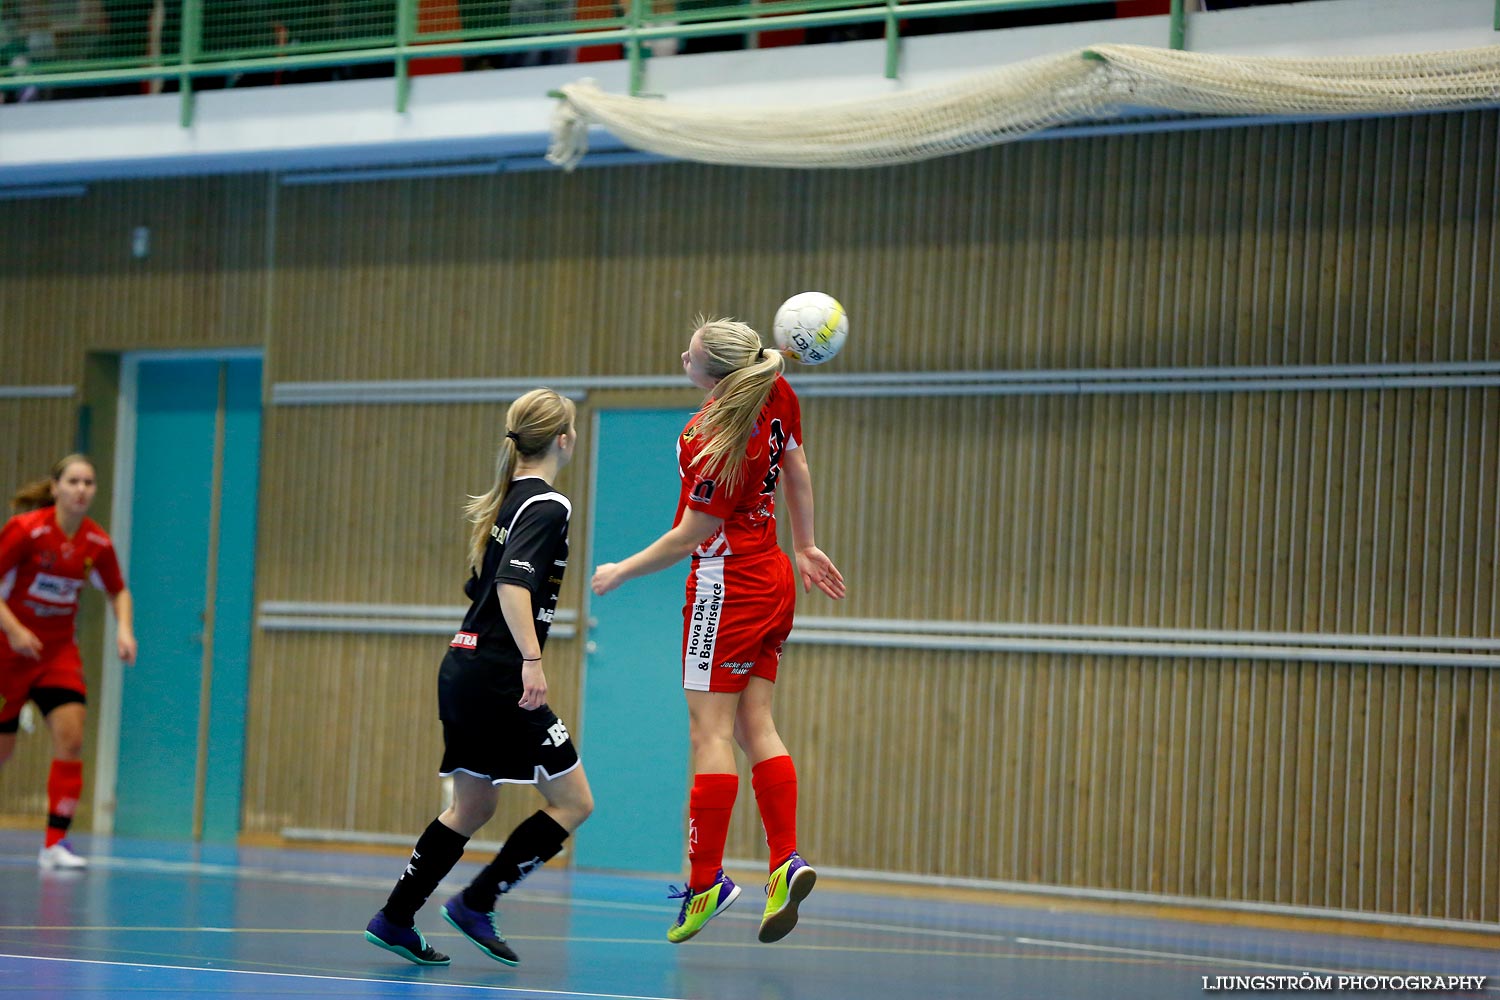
point(746, 373)
point(532, 423)
point(481, 510)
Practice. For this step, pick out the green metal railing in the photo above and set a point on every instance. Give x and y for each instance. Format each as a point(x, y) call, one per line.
point(238, 42)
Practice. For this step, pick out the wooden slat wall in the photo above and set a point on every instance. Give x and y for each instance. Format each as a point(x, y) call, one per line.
point(1250, 510)
point(1328, 785)
point(72, 285)
point(1362, 786)
point(69, 288)
point(345, 735)
point(1221, 779)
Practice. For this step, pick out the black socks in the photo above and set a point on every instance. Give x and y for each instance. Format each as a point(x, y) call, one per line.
point(530, 845)
point(437, 851)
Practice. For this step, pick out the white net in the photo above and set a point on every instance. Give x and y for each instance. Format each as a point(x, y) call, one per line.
point(1004, 104)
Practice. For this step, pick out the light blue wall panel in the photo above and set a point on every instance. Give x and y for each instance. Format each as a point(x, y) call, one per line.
point(635, 727)
point(176, 411)
point(169, 533)
point(234, 608)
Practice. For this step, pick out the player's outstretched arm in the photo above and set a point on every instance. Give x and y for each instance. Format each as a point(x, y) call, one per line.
point(814, 568)
point(670, 548)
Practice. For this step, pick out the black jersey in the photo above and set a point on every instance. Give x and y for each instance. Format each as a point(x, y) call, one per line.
point(528, 547)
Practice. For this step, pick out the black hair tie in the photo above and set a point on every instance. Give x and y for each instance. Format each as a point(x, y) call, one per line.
point(513, 436)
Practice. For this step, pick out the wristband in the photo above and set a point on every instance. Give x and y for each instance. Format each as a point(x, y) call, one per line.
point(530, 659)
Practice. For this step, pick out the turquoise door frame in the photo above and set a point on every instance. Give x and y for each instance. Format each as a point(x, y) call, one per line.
point(634, 734)
point(192, 461)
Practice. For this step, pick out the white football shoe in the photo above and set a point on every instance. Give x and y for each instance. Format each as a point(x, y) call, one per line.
point(60, 857)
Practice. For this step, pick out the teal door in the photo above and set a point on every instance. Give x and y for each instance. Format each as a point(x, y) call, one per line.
point(634, 726)
point(191, 560)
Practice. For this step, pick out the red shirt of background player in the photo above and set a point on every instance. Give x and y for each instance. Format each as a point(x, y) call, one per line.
point(42, 572)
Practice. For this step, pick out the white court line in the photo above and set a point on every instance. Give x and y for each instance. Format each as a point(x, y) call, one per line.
point(1249, 963)
point(203, 868)
point(249, 874)
point(273, 875)
point(341, 979)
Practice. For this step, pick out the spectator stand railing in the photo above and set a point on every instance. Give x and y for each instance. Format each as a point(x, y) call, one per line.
point(155, 45)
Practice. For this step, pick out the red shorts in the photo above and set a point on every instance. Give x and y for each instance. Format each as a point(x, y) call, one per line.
point(59, 667)
point(738, 614)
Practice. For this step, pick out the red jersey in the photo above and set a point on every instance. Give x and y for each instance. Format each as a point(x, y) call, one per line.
point(42, 571)
point(749, 510)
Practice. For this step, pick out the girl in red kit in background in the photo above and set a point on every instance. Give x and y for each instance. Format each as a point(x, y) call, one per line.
point(48, 552)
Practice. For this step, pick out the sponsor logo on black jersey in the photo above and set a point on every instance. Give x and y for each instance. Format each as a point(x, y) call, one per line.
point(498, 533)
point(522, 564)
point(465, 640)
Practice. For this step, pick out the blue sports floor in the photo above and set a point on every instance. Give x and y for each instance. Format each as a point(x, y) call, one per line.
point(154, 920)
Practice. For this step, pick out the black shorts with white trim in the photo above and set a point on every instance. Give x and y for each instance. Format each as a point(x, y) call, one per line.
point(486, 734)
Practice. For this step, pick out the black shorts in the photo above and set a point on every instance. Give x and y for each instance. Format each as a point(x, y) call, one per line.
point(46, 698)
point(486, 734)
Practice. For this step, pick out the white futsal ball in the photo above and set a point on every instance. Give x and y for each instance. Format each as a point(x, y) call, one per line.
point(810, 327)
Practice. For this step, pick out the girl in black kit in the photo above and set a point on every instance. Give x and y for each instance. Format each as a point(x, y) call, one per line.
point(492, 693)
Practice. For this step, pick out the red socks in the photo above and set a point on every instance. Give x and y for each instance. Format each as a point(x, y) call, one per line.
point(709, 806)
point(64, 786)
point(775, 782)
point(712, 801)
